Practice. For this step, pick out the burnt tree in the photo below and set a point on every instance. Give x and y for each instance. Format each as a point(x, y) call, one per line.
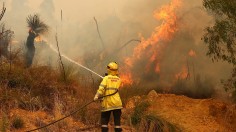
point(36, 27)
point(5, 36)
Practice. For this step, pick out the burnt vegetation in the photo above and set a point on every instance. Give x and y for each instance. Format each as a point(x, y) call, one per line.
point(36, 27)
point(199, 88)
point(6, 36)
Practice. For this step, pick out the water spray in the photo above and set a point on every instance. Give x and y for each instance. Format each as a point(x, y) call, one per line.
point(78, 64)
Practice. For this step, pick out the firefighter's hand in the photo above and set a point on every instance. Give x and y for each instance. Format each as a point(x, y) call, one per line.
point(95, 98)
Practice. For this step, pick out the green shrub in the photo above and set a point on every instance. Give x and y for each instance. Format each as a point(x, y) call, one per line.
point(153, 123)
point(150, 122)
point(138, 112)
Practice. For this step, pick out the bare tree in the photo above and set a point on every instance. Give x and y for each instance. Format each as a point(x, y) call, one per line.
point(5, 39)
point(5, 36)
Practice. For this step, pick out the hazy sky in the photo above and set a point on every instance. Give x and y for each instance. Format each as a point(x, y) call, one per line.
point(114, 18)
point(81, 10)
point(75, 10)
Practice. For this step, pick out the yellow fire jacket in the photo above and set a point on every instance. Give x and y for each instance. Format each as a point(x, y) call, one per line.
point(108, 86)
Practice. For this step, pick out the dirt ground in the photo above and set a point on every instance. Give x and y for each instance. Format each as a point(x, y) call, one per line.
point(193, 115)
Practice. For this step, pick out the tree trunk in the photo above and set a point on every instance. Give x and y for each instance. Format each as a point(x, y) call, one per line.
point(30, 48)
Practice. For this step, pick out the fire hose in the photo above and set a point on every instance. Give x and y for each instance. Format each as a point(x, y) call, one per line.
point(71, 112)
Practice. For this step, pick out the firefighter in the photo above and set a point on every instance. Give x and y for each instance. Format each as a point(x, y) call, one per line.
point(110, 104)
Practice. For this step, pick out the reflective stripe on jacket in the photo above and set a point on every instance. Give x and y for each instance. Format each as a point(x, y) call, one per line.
point(108, 86)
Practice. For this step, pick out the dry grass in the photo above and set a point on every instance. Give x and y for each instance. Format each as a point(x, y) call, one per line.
point(148, 122)
point(42, 88)
point(225, 114)
point(4, 122)
point(139, 112)
point(153, 123)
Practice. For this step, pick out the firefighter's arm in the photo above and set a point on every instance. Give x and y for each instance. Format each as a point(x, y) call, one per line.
point(101, 89)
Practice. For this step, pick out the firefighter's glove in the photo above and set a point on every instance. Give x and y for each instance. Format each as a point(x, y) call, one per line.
point(95, 98)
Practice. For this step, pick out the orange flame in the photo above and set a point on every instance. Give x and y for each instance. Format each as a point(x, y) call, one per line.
point(14, 42)
point(38, 39)
point(126, 79)
point(162, 33)
point(192, 53)
point(183, 74)
point(157, 69)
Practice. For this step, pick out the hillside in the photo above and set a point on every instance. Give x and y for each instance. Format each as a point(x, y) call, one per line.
point(190, 115)
point(36, 96)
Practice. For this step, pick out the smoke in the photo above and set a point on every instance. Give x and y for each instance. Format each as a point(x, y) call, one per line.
point(193, 20)
point(119, 22)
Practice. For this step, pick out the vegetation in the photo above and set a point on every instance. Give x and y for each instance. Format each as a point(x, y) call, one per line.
point(221, 37)
point(6, 36)
point(36, 24)
point(34, 89)
point(150, 122)
point(139, 112)
point(36, 27)
point(17, 123)
point(198, 87)
point(42, 89)
point(153, 123)
point(3, 122)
